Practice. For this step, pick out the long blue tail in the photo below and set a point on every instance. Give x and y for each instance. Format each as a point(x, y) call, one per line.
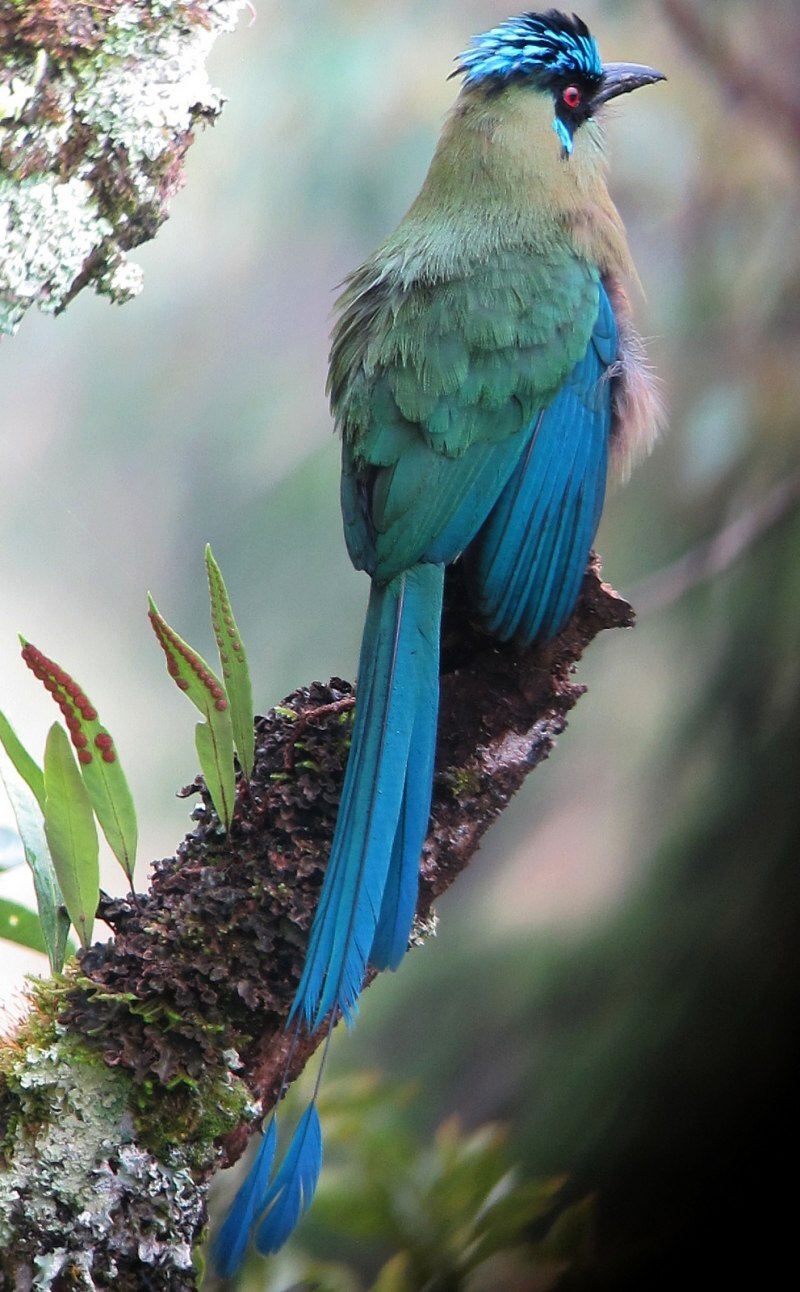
point(368, 898)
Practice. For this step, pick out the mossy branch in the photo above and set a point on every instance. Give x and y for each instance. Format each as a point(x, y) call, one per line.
point(139, 1074)
point(98, 106)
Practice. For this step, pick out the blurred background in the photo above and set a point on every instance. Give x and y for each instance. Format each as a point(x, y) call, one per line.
point(615, 978)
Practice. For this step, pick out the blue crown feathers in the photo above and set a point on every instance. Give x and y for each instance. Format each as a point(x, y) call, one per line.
point(547, 44)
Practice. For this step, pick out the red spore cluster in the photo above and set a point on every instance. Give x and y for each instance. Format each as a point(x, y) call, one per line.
point(75, 707)
point(106, 746)
point(172, 645)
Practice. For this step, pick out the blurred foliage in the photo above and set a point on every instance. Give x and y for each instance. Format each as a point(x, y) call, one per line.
point(442, 1215)
point(617, 977)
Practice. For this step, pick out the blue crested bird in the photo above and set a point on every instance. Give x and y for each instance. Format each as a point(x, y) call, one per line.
point(484, 371)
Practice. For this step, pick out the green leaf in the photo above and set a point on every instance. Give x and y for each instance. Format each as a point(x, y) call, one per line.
point(98, 759)
point(188, 669)
point(71, 833)
point(233, 662)
point(571, 1235)
point(28, 768)
point(328, 1276)
point(30, 823)
point(511, 1211)
point(218, 772)
point(112, 801)
point(21, 925)
point(192, 675)
point(396, 1275)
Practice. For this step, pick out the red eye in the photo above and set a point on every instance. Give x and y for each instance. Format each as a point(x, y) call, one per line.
point(572, 97)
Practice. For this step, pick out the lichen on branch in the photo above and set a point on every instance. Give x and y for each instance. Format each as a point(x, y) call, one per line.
point(98, 105)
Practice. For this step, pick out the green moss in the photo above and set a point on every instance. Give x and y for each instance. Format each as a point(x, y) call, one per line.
point(463, 782)
point(188, 1122)
point(46, 997)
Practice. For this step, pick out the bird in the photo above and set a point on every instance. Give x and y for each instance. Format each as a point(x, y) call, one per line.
point(486, 377)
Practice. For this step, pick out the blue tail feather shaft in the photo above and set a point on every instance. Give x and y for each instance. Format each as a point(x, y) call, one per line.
point(383, 813)
point(274, 1208)
point(390, 942)
point(292, 1190)
point(353, 887)
point(230, 1245)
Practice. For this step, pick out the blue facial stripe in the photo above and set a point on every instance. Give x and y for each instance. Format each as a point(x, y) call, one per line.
point(549, 44)
point(564, 133)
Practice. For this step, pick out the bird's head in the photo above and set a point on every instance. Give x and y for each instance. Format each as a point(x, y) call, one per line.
point(555, 55)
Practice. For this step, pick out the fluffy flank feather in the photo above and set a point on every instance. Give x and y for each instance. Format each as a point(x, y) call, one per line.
point(292, 1190)
point(639, 414)
point(231, 1243)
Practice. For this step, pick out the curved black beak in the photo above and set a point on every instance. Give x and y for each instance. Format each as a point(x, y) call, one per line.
point(621, 78)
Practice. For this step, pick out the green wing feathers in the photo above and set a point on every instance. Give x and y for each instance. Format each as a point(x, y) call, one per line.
point(432, 383)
